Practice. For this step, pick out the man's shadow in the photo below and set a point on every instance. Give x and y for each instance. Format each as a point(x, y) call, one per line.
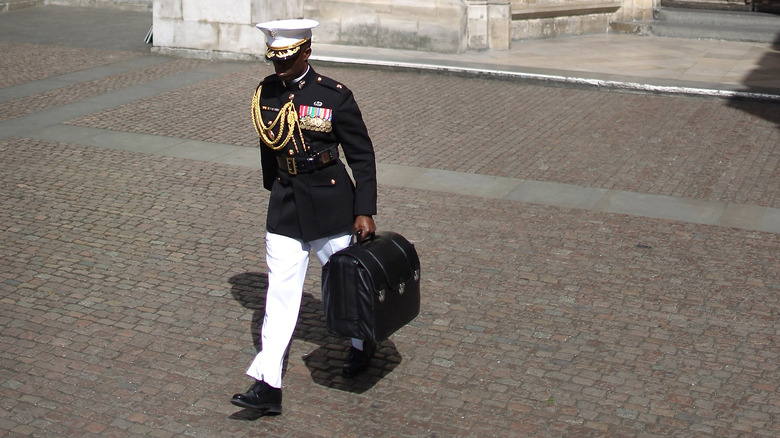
point(325, 362)
point(767, 71)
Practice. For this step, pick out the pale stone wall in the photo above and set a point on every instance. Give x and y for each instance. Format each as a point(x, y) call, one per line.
point(133, 5)
point(636, 10)
point(267, 10)
point(226, 27)
point(560, 26)
point(489, 24)
point(627, 10)
point(553, 18)
point(206, 26)
point(436, 25)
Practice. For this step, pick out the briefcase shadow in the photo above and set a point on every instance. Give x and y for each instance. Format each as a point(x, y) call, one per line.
point(325, 363)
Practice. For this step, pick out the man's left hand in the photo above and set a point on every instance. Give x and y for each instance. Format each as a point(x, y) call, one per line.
point(364, 226)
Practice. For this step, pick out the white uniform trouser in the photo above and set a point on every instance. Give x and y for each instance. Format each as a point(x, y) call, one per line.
point(287, 260)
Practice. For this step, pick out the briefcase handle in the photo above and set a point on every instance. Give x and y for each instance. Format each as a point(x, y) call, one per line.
point(369, 258)
point(357, 238)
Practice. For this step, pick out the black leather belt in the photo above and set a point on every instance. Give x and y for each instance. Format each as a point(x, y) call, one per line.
point(294, 166)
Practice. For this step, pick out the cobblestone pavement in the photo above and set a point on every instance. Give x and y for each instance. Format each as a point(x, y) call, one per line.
point(132, 284)
point(695, 148)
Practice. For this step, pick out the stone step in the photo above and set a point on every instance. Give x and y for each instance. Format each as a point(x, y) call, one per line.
point(707, 24)
point(696, 17)
point(723, 5)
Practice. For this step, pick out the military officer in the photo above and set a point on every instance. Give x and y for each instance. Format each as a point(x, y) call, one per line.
point(301, 118)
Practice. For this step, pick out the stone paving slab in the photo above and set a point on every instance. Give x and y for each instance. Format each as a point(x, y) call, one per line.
point(103, 28)
point(64, 95)
point(21, 62)
point(75, 77)
point(132, 289)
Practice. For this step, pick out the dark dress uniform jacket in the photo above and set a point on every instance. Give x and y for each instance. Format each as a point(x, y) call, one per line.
point(324, 202)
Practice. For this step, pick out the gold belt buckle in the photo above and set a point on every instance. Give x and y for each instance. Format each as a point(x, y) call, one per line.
point(292, 168)
point(326, 157)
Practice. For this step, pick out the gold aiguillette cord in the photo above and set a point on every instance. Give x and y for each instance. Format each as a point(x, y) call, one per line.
point(286, 120)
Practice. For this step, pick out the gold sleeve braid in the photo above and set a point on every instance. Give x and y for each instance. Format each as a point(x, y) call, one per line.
point(286, 120)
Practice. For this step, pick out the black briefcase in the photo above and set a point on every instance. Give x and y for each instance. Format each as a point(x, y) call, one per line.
point(371, 289)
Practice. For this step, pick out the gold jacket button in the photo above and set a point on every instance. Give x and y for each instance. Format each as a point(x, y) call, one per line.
point(333, 182)
point(291, 152)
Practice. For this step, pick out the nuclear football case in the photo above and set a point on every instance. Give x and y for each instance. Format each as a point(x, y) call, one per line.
point(372, 289)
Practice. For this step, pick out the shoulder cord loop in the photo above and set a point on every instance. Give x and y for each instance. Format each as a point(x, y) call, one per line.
point(287, 120)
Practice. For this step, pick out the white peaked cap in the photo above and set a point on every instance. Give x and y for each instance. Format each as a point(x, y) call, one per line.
point(283, 36)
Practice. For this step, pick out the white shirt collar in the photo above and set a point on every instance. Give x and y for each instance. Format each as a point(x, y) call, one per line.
point(298, 79)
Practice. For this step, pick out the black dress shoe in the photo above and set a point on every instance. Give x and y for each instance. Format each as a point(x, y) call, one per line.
point(359, 360)
point(260, 397)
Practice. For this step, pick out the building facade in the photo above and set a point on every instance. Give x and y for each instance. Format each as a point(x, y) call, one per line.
point(448, 26)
